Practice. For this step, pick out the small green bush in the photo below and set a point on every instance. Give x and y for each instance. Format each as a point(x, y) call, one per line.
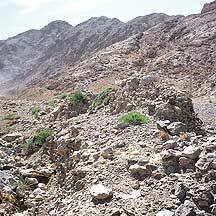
point(133, 118)
point(35, 110)
point(78, 96)
point(38, 139)
point(102, 98)
point(9, 116)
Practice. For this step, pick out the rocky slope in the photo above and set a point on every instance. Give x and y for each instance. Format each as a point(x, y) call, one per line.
point(94, 165)
point(36, 54)
point(118, 134)
point(181, 52)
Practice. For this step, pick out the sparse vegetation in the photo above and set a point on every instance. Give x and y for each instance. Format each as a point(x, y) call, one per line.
point(35, 110)
point(21, 182)
point(9, 116)
point(9, 129)
point(38, 139)
point(77, 96)
point(133, 118)
point(102, 98)
point(62, 96)
point(53, 103)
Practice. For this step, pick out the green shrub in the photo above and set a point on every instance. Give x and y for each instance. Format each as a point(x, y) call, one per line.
point(133, 118)
point(102, 98)
point(38, 139)
point(35, 110)
point(78, 96)
point(9, 116)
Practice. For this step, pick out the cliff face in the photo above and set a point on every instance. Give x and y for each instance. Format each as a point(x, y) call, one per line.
point(36, 54)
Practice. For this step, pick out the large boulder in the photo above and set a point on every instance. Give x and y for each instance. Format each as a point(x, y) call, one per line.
point(178, 109)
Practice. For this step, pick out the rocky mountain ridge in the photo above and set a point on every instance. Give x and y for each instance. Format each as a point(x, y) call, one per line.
point(36, 54)
point(180, 51)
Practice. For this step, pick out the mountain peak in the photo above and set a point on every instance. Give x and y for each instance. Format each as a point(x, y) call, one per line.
point(58, 24)
point(102, 20)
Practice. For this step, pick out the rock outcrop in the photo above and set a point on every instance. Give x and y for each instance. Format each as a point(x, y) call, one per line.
point(209, 7)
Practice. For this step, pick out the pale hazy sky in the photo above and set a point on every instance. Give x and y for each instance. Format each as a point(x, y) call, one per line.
point(17, 16)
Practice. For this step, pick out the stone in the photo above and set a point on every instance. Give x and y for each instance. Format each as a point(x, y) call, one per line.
point(11, 137)
point(31, 181)
point(137, 160)
point(139, 171)
point(180, 191)
point(170, 144)
point(101, 192)
point(165, 213)
point(184, 210)
point(203, 198)
point(171, 153)
point(147, 80)
point(204, 163)
point(213, 209)
point(184, 162)
point(107, 153)
point(162, 124)
point(191, 152)
point(176, 128)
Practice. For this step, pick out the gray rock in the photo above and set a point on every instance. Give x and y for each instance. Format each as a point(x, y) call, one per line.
point(180, 191)
point(163, 124)
point(176, 128)
point(11, 137)
point(185, 162)
point(184, 210)
point(170, 144)
point(204, 163)
point(191, 152)
point(107, 153)
point(101, 192)
point(139, 171)
point(31, 181)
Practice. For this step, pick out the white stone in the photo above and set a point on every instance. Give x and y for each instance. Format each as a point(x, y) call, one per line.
point(101, 192)
point(165, 213)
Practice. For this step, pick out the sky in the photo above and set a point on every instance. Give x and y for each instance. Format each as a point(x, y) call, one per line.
point(17, 16)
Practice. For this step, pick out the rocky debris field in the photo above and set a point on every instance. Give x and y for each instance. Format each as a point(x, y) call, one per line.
point(80, 155)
